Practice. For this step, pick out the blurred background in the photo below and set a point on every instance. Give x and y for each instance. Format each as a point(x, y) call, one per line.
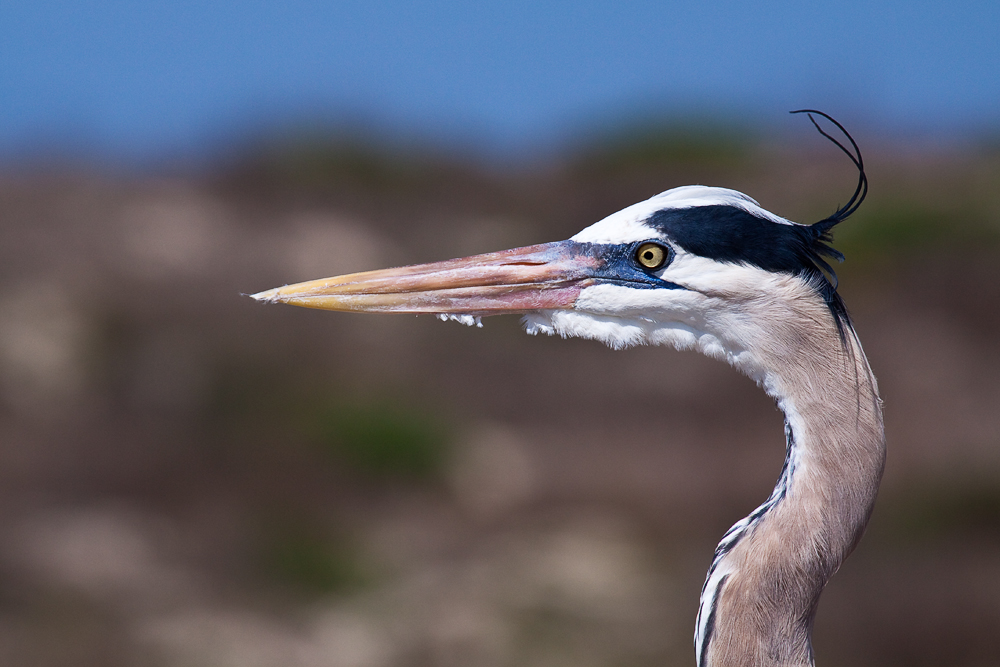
point(189, 478)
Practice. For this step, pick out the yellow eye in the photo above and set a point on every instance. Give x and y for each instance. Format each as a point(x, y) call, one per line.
point(651, 255)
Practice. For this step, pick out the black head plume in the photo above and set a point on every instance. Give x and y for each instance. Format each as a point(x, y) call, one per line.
point(861, 191)
point(821, 229)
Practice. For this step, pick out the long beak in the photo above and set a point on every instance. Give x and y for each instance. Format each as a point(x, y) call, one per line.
point(546, 276)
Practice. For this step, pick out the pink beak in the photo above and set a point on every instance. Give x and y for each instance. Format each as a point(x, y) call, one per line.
point(547, 276)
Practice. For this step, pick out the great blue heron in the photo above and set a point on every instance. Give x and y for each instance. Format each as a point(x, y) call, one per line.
point(707, 269)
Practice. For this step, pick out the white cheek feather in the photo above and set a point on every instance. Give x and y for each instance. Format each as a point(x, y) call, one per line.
point(685, 319)
point(613, 332)
point(619, 333)
point(736, 282)
point(699, 273)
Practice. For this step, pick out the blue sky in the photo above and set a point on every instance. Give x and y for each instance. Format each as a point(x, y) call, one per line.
point(137, 79)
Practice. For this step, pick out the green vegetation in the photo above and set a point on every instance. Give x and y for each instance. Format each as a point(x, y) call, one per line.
point(310, 561)
point(320, 163)
point(939, 513)
point(662, 143)
point(385, 438)
point(327, 160)
point(888, 227)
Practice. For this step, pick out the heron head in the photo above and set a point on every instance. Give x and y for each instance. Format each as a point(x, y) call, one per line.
point(696, 267)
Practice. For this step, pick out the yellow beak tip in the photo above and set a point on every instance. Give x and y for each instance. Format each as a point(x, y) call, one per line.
point(268, 296)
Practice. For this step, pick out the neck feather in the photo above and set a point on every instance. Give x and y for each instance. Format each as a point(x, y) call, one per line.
point(761, 593)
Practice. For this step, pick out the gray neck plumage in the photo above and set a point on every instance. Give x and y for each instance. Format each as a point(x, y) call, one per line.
point(761, 593)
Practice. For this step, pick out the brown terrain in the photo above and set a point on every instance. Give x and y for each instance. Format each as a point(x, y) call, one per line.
point(189, 478)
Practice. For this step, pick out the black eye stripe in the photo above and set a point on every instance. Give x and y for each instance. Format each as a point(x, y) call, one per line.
point(733, 235)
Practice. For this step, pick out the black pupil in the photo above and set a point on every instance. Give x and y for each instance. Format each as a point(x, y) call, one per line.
point(648, 254)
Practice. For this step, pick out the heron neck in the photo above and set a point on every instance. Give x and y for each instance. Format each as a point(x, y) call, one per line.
point(763, 588)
